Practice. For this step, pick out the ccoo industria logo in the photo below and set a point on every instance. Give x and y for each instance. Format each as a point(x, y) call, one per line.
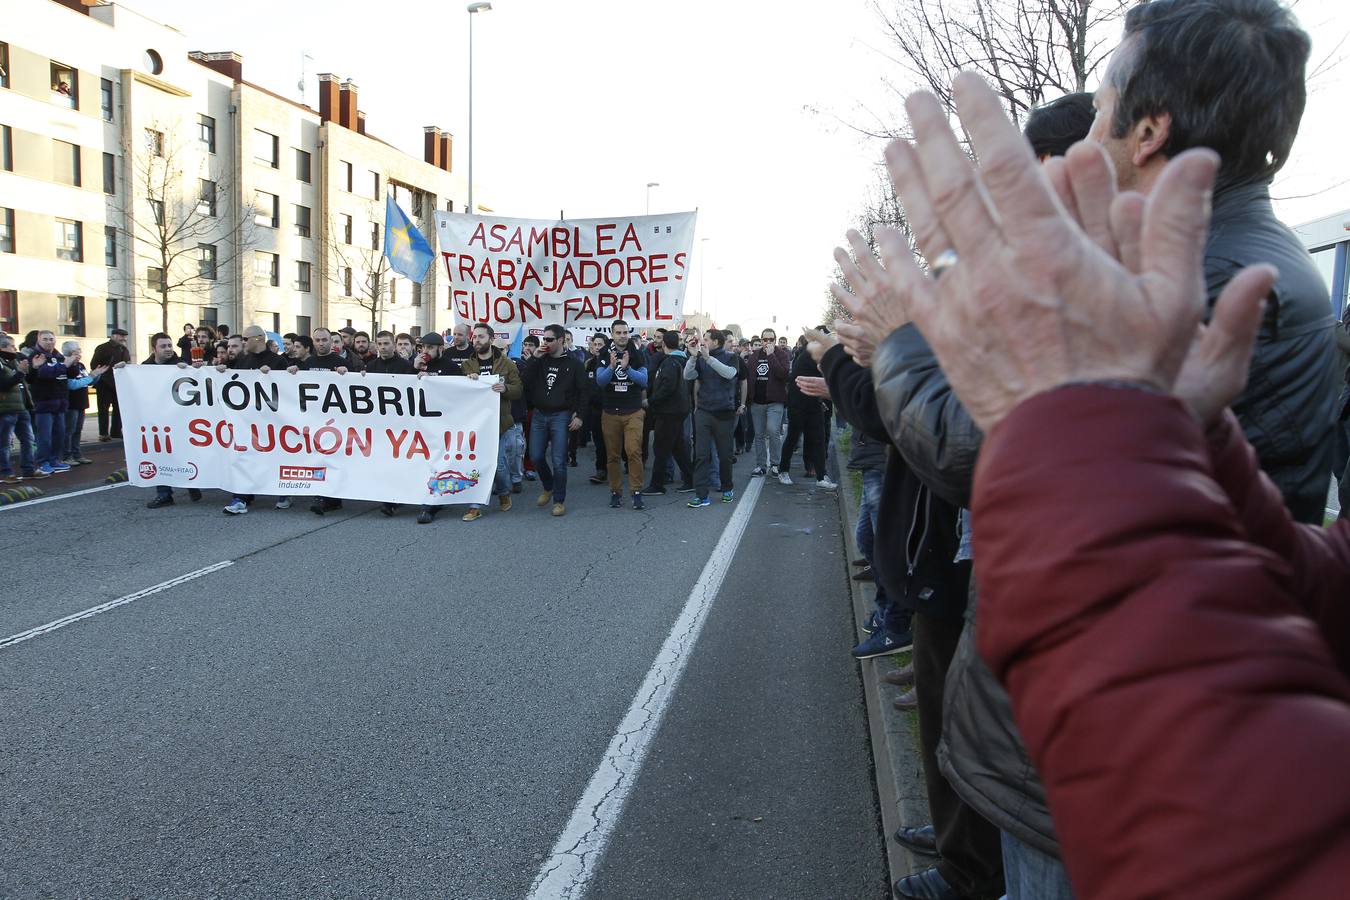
point(303, 473)
point(451, 482)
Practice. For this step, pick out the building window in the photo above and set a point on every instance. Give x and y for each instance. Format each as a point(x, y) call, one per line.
point(375, 185)
point(302, 214)
point(154, 279)
point(267, 268)
point(112, 312)
point(209, 316)
point(65, 86)
point(206, 197)
point(71, 313)
point(415, 332)
point(374, 235)
point(157, 212)
point(69, 240)
point(153, 62)
point(417, 203)
point(6, 148)
point(206, 132)
point(302, 276)
point(67, 162)
point(206, 261)
point(302, 166)
point(417, 293)
point(109, 174)
point(110, 246)
point(346, 229)
point(6, 230)
point(347, 281)
point(154, 142)
point(345, 172)
point(4, 65)
point(266, 209)
point(105, 99)
point(9, 311)
point(302, 325)
point(276, 322)
point(265, 147)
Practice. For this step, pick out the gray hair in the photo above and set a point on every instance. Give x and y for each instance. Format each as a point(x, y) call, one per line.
point(69, 347)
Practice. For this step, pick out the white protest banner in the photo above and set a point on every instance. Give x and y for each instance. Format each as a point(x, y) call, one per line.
point(579, 273)
point(394, 438)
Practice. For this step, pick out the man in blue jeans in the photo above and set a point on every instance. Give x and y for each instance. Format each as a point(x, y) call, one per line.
point(14, 416)
point(51, 397)
point(555, 388)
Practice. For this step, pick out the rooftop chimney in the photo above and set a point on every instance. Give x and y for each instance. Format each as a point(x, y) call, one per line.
point(227, 63)
point(360, 122)
point(445, 150)
point(431, 145)
point(347, 108)
point(328, 96)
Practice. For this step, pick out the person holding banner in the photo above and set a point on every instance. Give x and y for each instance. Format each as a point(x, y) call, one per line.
point(622, 380)
point(556, 388)
point(163, 355)
point(489, 360)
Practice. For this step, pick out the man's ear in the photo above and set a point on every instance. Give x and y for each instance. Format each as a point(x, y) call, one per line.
point(1151, 134)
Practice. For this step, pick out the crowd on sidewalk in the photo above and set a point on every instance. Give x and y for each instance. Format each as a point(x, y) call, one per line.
point(680, 405)
point(1098, 524)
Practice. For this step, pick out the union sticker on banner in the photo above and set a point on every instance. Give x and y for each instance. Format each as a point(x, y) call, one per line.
point(580, 273)
point(393, 438)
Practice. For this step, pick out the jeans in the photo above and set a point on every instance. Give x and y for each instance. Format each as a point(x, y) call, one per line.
point(866, 529)
point(669, 448)
point(514, 443)
point(1031, 874)
point(712, 432)
point(768, 432)
point(20, 424)
point(623, 438)
point(50, 427)
point(74, 426)
point(501, 482)
point(548, 433)
point(106, 399)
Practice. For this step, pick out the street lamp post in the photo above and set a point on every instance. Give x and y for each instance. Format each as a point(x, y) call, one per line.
point(473, 8)
point(650, 185)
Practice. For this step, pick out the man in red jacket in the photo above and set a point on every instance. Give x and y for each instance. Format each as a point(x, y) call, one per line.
point(1176, 649)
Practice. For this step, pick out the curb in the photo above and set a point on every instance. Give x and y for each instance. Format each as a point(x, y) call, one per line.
point(20, 494)
point(895, 758)
point(116, 477)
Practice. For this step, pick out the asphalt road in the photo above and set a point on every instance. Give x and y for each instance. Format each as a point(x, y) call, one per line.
point(361, 706)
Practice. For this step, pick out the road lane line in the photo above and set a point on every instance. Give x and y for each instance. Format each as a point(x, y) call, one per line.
point(111, 604)
point(92, 490)
point(576, 855)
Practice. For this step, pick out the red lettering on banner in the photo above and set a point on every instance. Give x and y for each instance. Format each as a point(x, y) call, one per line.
point(396, 441)
point(418, 447)
point(465, 267)
point(627, 302)
point(602, 237)
point(679, 262)
point(200, 429)
point(479, 236)
point(657, 262)
point(630, 235)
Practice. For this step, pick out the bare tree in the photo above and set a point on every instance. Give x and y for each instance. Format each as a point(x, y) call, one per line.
point(172, 221)
point(881, 209)
point(369, 282)
point(1029, 50)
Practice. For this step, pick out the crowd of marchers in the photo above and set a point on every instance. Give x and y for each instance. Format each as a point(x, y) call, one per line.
point(669, 411)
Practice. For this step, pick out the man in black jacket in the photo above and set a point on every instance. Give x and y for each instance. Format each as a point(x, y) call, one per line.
point(556, 391)
point(163, 355)
point(109, 353)
point(668, 404)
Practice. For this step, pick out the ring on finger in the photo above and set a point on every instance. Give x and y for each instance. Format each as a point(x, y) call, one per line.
point(944, 261)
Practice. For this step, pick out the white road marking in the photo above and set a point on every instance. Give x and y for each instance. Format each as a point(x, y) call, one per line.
point(92, 490)
point(576, 855)
point(111, 604)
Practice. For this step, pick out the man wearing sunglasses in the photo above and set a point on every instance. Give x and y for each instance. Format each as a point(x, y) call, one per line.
point(556, 388)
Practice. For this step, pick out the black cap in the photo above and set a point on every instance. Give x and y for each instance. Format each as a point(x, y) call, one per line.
point(348, 330)
point(121, 331)
point(432, 339)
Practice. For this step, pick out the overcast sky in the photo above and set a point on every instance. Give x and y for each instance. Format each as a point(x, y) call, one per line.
point(739, 108)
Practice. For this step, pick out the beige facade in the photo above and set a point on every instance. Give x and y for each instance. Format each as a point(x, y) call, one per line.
point(133, 165)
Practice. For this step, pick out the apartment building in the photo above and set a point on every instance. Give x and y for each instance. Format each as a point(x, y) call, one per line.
point(1328, 240)
point(144, 183)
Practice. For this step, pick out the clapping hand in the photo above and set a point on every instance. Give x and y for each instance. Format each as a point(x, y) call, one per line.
point(869, 297)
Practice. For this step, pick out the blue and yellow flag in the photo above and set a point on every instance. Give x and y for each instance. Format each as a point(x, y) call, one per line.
point(408, 251)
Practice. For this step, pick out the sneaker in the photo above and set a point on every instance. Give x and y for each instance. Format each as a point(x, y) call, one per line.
point(10, 479)
point(871, 623)
point(194, 494)
point(237, 507)
point(882, 643)
point(544, 499)
point(84, 461)
point(504, 502)
point(599, 478)
point(637, 500)
point(387, 509)
point(284, 503)
point(425, 517)
point(572, 463)
point(37, 473)
point(653, 490)
point(531, 476)
point(865, 574)
point(784, 478)
point(773, 470)
point(826, 484)
point(686, 488)
point(160, 500)
point(103, 439)
point(317, 508)
point(615, 500)
point(515, 487)
point(473, 515)
point(757, 472)
point(60, 467)
point(44, 470)
point(728, 496)
point(698, 502)
point(559, 509)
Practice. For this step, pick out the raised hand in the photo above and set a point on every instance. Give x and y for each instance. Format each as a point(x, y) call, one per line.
point(869, 297)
